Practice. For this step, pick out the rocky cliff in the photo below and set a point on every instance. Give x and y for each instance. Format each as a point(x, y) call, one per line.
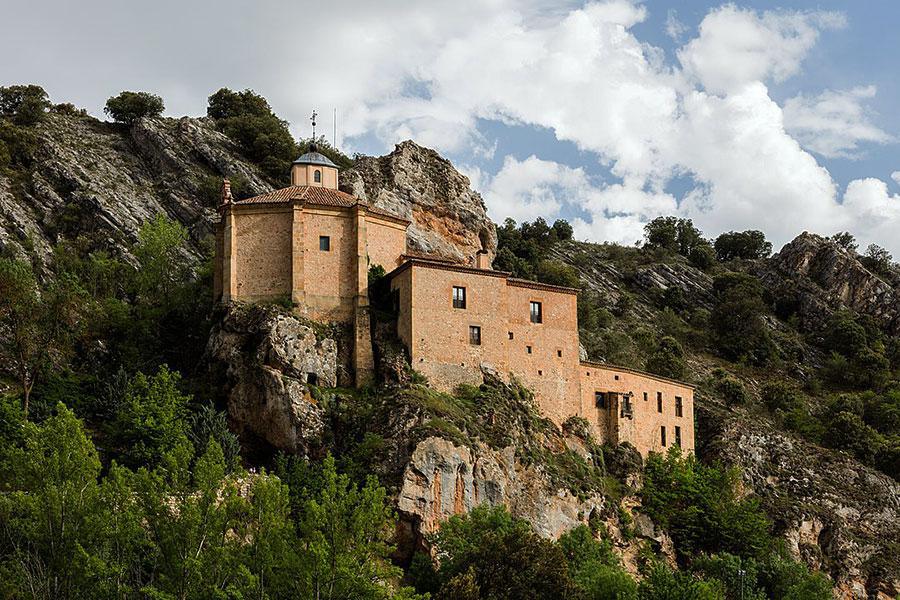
point(448, 217)
point(100, 181)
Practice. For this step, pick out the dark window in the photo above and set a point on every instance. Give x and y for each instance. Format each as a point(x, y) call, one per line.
point(559, 353)
point(658, 401)
point(678, 436)
point(626, 407)
point(510, 335)
point(317, 176)
point(312, 379)
point(528, 349)
point(600, 399)
point(616, 377)
point(678, 407)
point(475, 335)
point(540, 372)
point(459, 297)
point(536, 316)
point(645, 396)
point(324, 243)
point(662, 435)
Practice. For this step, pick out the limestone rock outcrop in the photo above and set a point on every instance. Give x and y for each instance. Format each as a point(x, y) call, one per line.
point(826, 277)
point(103, 180)
point(449, 219)
point(265, 362)
point(836, 514)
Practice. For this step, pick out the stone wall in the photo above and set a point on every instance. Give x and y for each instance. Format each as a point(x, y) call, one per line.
point(643, 428)
point(386, 241)
point(263, 263)
point(330, 277)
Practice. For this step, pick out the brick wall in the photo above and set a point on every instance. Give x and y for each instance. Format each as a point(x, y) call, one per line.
point(263, 263)
point(330, 278)
point(386, 241)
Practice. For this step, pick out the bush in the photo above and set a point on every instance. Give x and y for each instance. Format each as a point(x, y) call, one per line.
point(128, 107)
point(877, 259)
point(23, 105)
point(732, 390)
point(675, 235)
point(737, 322)
point(781, 396)
point(668, 359)
point(247, 118)
point(847, 431)
point(703, 507)
point(750, 244)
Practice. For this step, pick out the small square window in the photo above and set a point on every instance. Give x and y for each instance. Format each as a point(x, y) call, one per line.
point(679, 407)
point(616, 377)
point(678, 436)
point(662, 435)
point(475, 335)
point(459, 297)
point(324, 243)
point(536, 315)
point(528, 349)
point(559, 353)
point(510, 335)
point(540, 373)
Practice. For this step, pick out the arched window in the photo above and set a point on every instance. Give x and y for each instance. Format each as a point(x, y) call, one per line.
point(317, 176)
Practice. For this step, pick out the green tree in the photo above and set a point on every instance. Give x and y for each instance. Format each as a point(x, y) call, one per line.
point(702, 507)
point(152, 420)
point(500, 557)
point(845, 240)
point(737, 320)
point(247, 118)
point(48, 509)
point(594, 567)
point(23, 105)
point(877, 259)
point(749, 244)
point(662, 583)
point(345, 532)
point(675, 235)
point(667, 359)
point(38, 326)
point(129, 107)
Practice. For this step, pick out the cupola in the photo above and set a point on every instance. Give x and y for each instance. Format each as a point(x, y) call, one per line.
point(314, 169)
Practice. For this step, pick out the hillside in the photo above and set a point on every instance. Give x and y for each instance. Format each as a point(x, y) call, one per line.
point(811, 427)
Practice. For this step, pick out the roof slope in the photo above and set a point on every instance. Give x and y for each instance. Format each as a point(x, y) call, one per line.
point(317, 196)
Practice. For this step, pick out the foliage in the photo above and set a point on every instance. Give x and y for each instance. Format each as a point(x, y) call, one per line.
point(499, 556)
point(667, 359)
point(845, 240)
point(730, 388)
point(522, 251)
point(129, 107)
point(736, 320)
point(781, 396)
point(858, 351)
point(38, 324)
point(208, 424)
point(247, 118)
point(662, 583)
point(152, 421)
point(702, 507)
point(675, 235)
point(877, 259)
point(23, 105)
point(749, 244)
point(594, 567)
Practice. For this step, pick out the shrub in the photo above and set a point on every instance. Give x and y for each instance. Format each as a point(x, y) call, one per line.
point(668, 359)
point(23, 105)
point(877, 259)
point(662, 583)
point(845, 240)
point(247, 118)
point(732, 390)
point(737, 319)
point(702, 256)
point(703, 507)
point(674, 234)
point(780, 395)
point(847, 431)
point(742, 244)
point(128, 107)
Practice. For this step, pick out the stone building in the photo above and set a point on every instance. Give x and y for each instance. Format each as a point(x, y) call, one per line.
point(313, 245)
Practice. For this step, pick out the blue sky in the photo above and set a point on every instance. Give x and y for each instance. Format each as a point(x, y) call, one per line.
point(774, 116)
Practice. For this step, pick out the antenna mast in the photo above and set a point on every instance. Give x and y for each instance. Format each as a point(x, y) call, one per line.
point(334, 128)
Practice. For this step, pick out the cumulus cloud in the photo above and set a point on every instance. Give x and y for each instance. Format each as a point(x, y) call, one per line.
point(834, 123)
point(896, 176)
point(675, 29)
point(436, 72)
point(737, 46)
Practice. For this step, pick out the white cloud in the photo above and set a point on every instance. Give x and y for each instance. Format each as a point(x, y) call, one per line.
point(435, 71)
point(896, 176)
point(834, 123)
point(675, 29)
point(737, 46)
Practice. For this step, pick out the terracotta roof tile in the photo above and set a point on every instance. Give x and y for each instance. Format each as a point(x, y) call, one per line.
point(317, 196)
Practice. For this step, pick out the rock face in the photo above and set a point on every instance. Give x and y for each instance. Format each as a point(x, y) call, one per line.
point(265, 361)
point(103, 181)
point(448, 217)
point(827, 277)
point(836, 514)
point(442, 480)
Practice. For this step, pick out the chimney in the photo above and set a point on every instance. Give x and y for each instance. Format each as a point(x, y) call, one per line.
point(226, 191)
point(483, 260)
